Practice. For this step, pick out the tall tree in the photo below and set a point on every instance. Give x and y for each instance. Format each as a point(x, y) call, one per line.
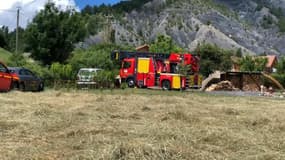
point(4, 37)
point(52, 34)
point(213, 58)
point(12, 40)
point(164, 44)
point(87, 10)
point(3, 42)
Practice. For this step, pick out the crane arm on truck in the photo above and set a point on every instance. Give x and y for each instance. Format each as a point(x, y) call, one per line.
point(121, 55)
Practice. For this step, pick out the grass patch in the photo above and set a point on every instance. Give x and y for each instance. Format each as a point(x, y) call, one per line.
point(4, 55)
point(139, 124)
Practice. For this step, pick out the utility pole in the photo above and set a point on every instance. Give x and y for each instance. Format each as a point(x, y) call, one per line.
point(17, 29)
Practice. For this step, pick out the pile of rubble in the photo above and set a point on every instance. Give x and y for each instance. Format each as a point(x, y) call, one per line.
point(222, 86)
point(269, 92)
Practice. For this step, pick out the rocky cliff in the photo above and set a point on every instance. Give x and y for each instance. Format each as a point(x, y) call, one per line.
point(252, 25)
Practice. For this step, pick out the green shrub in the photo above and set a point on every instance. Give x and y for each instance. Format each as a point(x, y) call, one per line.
point(183, 69)
point(213, 58)
point(280, 75)
point(281, 65)
point(16, 60)
point(259, 7)
point(253, 64)
point(95, 57)
point(280, 78)
point(267, 21)
point(239, 53)
point(62, 72)
point(41, 71)
point(281, 24)
point(106, 79)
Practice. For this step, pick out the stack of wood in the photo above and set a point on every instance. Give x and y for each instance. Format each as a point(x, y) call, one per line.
point(250, 87)
point(222, 86)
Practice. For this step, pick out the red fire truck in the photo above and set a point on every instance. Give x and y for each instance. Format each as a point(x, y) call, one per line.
point(5, 78)
point(151, 70)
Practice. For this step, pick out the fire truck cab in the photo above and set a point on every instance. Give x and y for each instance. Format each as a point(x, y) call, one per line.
point(5, 78)
point(148, 70)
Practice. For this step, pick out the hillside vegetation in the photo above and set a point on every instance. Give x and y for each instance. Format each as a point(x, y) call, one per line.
point(4, 55)
point(140, 124)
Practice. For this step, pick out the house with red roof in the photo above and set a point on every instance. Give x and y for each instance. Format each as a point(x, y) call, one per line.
point(143, 48)
point(271, 63)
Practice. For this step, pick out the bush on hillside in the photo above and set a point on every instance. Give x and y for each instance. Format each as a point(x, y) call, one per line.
point(16, 60)
point(281, 24)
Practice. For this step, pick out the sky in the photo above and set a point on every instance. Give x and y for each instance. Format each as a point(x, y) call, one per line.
point(30, 7)
point(82, 3)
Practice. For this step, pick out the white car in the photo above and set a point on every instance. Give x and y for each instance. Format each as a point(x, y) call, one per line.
point(85, 77)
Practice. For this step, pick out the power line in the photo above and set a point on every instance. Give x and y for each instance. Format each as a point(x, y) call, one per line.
point(8, 10)
point(30, 3)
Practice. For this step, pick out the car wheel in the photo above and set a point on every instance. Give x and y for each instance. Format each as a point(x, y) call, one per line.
point(41, 87)
point(166, 85)
point(131, 82)
point(22, 87)
point(14, 86)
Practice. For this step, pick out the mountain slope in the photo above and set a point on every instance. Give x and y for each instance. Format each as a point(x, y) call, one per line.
point(252, 25)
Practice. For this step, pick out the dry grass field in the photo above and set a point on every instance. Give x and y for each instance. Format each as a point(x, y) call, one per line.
point(140, 124)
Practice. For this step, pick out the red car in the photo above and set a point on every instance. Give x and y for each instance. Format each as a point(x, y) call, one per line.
point(6, 80)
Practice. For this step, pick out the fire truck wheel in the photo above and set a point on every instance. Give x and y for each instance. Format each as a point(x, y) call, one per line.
point(166, 85)
point(131, 82)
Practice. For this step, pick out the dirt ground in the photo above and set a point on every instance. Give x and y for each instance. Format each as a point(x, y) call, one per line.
point(140, 124)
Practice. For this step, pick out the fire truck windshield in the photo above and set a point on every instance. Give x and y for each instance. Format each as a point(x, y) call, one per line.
point(126, 65)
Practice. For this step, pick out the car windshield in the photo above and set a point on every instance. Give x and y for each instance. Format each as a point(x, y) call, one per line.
point(86, 72)
point(12, 71)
